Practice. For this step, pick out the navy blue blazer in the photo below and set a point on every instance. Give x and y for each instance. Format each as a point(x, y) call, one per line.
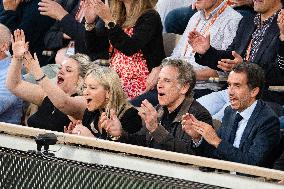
point(266, 56)
point(260, 137)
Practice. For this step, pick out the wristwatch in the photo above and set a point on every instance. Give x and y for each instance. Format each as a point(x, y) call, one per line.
point(111, 25)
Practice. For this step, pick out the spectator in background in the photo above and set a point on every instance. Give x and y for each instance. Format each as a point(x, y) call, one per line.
point(177, 19)
point(163, 7)
point(249, 132)
point(24, 15)
point(69, 31)
point(260, 40)
point(217, 19)
point(51, 113)
point(10, 106)
point(134, 30)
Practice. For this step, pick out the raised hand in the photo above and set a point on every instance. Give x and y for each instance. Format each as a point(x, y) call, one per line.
point(102, 10)
point(82, 130)
point(187, 126)
point(198, 42)
point(32, 64)
point(149, 114)
point(89, 12)
point(113, 126)
point(206, 131)
point(19, 46)
point(11, 4)
point(52, 9)
point(227, 64)
point(280, 21)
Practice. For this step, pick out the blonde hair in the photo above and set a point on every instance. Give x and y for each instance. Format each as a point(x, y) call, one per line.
point(138, 7)
point(85, 65)
point(111, 82)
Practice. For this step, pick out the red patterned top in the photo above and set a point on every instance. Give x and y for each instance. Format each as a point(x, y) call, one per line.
point(132, 70)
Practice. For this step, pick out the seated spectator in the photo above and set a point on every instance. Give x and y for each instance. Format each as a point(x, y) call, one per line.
point(163, 7)
point(24, 15)
point(250, 130)
point(162, 129)
point(69, 31)
point(257, 40)
point(49, 115)
point(108, 109)
point(10, 105)
point(219, 20)
point(134, 30)
point(177, 19)
point(216, 18)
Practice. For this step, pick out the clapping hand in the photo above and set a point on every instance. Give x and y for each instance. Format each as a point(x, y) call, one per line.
point(11, 4)
point(32, 64)
point(102, 10)
point(198, 42)
point(187, 126)
point(203, 129)
point(90, 12)
point(112, 124)
point(52, 9)
point(19, 45)
point(280, 22)
point(149, 114)
point(71, 126)
point(227, 64)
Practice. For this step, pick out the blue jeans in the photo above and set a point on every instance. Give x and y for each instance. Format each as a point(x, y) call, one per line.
point(151, 96)
point(215, 103)
point(177, 19)
point(281, 122)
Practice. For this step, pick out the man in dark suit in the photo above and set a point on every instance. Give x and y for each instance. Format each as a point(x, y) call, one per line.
point(259, 40)
point(249, 132)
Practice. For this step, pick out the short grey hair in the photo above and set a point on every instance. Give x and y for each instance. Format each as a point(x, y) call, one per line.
point(186, 74)
point(5, 36)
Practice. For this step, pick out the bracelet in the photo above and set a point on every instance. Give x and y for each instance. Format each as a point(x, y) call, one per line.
point(90, 27)
point(38, 80)
point(114, 138)
point(18, 58)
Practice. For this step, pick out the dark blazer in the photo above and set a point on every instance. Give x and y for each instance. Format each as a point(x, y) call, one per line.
point(266, 56)
point(173, 138)
point(260, 137)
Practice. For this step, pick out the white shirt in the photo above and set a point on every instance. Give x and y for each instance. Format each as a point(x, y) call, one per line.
point(246, 114)
point(222, 32)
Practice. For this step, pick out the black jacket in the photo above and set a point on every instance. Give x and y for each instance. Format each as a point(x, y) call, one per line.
point(175, 139)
